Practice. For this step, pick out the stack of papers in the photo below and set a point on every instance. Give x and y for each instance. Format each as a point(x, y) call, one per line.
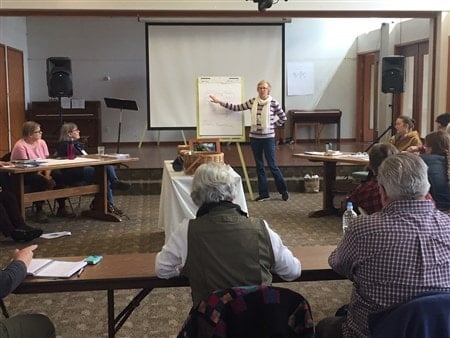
point(119, 156)
point(28, 163)
point(49, 268)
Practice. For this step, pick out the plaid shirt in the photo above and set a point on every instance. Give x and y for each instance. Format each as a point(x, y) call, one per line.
point(366, 196)
point(392, 256)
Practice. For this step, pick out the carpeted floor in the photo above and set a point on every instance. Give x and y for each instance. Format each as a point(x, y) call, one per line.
point(162, 313)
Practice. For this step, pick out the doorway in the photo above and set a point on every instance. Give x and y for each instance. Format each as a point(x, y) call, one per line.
point(12, 97)
point(366, 96)
point(414, 101)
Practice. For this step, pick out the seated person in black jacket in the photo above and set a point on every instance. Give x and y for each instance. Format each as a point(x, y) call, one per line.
point(71, 134)
point(11, 221)
point(26, 325)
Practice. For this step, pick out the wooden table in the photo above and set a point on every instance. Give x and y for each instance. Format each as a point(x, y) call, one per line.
point(137, 271)
point(329, 173)
point(99, 188)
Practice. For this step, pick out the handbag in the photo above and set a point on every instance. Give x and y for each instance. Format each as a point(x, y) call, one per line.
point(178, 163)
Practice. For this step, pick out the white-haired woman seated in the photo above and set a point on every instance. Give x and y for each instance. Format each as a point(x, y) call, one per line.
point(223, 247)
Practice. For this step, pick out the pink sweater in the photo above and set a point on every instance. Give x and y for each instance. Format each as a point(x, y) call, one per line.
point(25, 151)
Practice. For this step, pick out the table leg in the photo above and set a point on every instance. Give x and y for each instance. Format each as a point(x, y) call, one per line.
point(111, 328)
point(18, 188)
point(329, 173)
point(114, 324)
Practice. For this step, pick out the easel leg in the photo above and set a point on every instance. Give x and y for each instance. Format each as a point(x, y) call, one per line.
point(142, 138)
point(244, 169)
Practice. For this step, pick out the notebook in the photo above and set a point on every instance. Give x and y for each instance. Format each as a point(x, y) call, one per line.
point(49, 268)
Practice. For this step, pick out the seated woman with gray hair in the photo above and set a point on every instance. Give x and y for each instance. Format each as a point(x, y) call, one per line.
point(223, 247)
point(69, 133)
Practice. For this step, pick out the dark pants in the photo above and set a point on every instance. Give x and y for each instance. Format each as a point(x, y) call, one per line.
point(266, 147)
point(10, 216)
point(330, 327)
point(86, 175)
point(34, 182)
point(27, 326)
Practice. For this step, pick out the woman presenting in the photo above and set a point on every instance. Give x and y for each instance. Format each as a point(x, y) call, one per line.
point(266, 115)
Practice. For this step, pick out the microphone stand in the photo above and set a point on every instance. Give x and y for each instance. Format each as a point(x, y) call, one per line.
point(391, 127)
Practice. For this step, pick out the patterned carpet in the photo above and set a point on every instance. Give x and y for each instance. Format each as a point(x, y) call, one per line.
point(162, 313)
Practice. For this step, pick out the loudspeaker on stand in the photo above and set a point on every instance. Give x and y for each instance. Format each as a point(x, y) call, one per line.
point(59, 77)
point(393, 74)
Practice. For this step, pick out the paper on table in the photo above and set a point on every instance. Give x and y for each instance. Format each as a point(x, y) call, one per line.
point(320, 153)
point(53, 235)
point(118, 156)
point(43, 267)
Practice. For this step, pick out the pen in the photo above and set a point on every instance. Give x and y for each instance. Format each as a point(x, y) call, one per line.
point(80, 272)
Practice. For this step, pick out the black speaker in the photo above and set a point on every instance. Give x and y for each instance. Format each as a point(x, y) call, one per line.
point(392, 74)
point(59, 77)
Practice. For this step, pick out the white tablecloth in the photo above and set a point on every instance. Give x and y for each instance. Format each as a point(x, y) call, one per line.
point(175, 202)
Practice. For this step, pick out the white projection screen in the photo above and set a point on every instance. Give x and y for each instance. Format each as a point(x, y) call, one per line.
point(177, 54)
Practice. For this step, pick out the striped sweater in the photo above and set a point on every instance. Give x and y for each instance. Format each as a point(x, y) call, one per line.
point(277, 117)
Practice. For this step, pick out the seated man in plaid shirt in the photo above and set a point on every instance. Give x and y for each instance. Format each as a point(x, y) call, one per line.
point(393, 255)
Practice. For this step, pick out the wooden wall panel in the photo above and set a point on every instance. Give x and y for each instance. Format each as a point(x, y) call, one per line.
point(447, 108)
point(16, 92)
point(4, 139)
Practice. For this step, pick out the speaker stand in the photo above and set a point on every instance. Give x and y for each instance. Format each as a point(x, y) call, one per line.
point(60, 112)
point(389, 128)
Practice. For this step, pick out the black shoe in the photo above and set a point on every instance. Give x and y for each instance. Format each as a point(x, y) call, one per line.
point(25, 234)
point(285, 196)
point(92, 205)
point(120, 185)
point(114, 210)
point(262, 198)
point(62, 212)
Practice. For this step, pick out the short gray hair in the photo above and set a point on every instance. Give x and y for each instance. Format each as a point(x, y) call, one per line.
point(213, 182)
point(404, 177)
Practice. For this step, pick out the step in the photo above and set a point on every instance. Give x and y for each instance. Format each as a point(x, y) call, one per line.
point(146, 181)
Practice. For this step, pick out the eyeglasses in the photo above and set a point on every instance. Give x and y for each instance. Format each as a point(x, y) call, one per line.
point(37, 132)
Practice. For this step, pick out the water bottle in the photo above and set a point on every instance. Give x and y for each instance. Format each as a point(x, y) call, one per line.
point(348, 215)
point(70, 150)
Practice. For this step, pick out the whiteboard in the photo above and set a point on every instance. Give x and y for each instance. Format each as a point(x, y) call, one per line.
point(213, 120)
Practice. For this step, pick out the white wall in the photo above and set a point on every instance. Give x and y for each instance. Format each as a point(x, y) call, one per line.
point(330, 45)
point(98, 48)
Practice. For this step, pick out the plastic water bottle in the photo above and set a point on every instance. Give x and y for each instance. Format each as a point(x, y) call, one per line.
point(70, 150)
point(348, 215)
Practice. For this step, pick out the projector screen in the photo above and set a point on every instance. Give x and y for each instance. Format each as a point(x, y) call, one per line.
point(177, 54)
